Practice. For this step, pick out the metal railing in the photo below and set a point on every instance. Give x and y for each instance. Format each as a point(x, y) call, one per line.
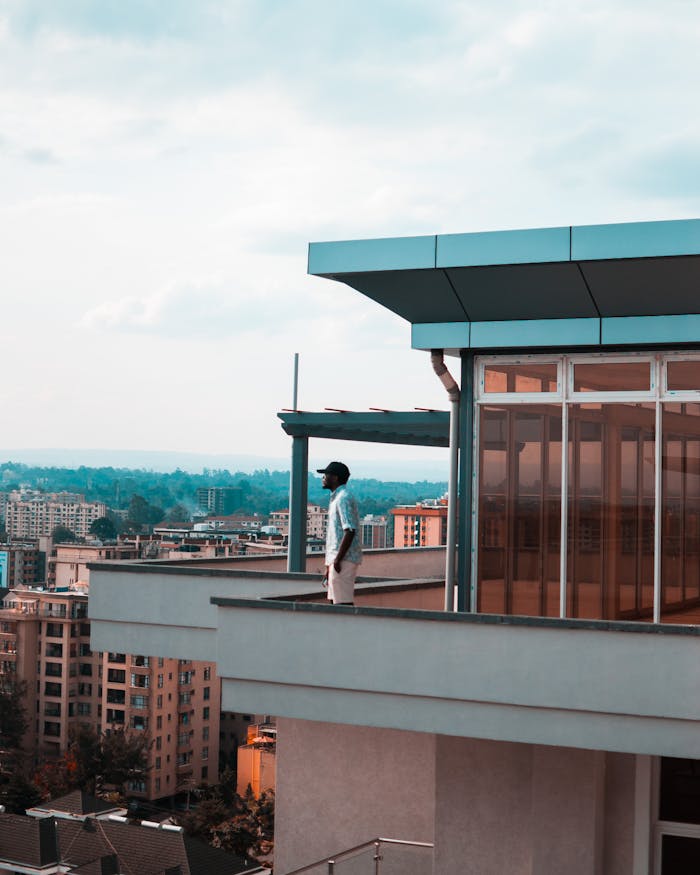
point(380, 856)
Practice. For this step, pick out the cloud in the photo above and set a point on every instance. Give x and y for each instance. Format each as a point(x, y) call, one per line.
point(40, 156)
point(669, 168)
point(195, 311)
point(167, 162)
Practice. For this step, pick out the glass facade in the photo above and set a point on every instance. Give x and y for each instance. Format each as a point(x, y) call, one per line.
point(566, 453)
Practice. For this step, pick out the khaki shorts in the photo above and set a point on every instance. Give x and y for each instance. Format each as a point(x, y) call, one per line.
point(341, 584)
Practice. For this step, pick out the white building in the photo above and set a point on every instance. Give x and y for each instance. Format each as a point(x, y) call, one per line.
point(542, 715)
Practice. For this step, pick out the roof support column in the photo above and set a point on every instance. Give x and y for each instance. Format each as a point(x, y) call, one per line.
point(298, 500)
point(466, 480)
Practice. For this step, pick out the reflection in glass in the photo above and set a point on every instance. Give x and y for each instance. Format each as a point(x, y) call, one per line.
point(679, 790)
point(683, 376)
point(680, 520)
point(610, 562)
point(519, 510)
point(612, 376)
point(531, 377)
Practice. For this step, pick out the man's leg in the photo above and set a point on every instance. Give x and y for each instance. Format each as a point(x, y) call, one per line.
point(341, 584)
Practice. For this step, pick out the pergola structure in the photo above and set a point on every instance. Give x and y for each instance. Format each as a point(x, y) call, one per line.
point(414, 427)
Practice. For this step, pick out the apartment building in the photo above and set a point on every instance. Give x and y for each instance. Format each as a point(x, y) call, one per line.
point(374, 531)
point(256, 759)
point(21, 563)
point(421, 525)
point(68, 564)
point(45, 641)
point(219, 500)
point(535, 708)
point(316, 521)
point(31, 514)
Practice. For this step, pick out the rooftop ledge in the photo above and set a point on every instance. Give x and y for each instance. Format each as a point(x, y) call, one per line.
point(304, 601)
point(397, 661)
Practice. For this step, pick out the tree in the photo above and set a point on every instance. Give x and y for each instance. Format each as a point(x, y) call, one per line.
point(62, 535)
point(224, 819)
point(178, 514)
point(94, 759)
point(141, 513)
point(103, 528)
point(124, 756)
point(55, 778)
point(13, 717)
point(17, 792)
point(85, 753)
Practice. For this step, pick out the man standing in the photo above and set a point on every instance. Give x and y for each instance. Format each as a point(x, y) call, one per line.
point(343, 548)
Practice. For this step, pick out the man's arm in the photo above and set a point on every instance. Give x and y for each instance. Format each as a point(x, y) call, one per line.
point(348, 538)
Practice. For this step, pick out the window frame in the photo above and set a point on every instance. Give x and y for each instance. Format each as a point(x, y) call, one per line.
point(565, 396)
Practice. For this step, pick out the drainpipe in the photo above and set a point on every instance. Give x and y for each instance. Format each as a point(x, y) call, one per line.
point(448, 381)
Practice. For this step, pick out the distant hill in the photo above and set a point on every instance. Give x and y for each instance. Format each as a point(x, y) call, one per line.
point(195, 463)
point(174, 492)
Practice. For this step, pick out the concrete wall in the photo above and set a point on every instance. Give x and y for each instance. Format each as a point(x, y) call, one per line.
point(490, 807)
point(520, 680)
point(531, 810)
point(398, 564)
point(344, 785)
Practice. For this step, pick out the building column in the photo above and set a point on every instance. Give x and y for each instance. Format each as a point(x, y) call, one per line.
point(298, 501)
point(466, 479)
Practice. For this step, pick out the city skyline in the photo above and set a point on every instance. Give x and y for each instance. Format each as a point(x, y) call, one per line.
point(165, 166)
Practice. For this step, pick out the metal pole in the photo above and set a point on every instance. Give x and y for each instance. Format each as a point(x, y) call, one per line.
point(296, 382)
point(564, 500)
point(377, 857)
point(452, 508)
point(658, 504)
point(331, 867)
point(466, 481)
point(298, 500)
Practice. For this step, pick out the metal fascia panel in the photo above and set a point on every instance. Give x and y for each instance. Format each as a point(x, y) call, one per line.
point(503, 247)
point(523, 333)
point(635, 240)
point(638, 330)
point(440, 335)
point(358, 256)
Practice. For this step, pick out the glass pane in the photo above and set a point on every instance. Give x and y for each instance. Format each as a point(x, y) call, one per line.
point(612, 377)
point(521, 378)
point(679, 794)
point(680, 520)
point(404, 860)
point(519, 510)
point(683, 376)
point(358, 863)
point(680, 855)
point(610, 558)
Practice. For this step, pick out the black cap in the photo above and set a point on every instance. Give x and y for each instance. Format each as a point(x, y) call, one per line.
point(338, 468)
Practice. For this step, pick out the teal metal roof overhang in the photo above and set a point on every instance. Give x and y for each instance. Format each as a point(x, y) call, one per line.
point(417, 428)
point(591, 285)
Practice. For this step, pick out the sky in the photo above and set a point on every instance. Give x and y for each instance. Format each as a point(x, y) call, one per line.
point(164, 164)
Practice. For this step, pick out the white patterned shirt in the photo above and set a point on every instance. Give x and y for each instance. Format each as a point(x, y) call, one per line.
point(343, 516)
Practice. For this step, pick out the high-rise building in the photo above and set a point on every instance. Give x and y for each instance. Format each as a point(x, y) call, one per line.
point(219, 499)
point(45, 641)
point(31, 514)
